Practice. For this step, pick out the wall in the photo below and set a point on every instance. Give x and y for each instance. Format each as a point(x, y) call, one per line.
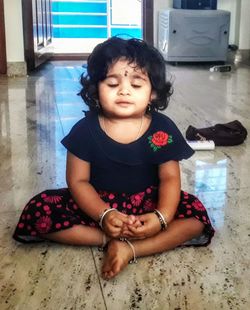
point(14, 36)
point(232, 6)
point(244, 37)
point(14, 30)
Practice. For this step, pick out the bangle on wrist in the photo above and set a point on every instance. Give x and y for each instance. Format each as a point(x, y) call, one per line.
point(161, 219)
point(101, 218)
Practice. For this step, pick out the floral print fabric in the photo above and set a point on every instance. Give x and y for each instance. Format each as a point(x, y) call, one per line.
point(159, 139)
point(55, 210)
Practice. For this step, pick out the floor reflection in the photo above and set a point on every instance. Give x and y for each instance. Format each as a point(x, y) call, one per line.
point(36, 113)
point(211, 185)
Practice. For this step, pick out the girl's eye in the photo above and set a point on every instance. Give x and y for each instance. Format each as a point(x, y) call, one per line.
point(112, 85)
point(136, 85)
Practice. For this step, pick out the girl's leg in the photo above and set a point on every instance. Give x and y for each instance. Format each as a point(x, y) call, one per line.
point(120, 253)
point(78, 235)
point(51, 209)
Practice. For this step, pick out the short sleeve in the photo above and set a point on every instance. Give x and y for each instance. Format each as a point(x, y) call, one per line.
point(166, 142)
point(78, 141)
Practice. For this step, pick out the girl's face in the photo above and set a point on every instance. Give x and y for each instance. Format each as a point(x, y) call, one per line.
point(126, 91)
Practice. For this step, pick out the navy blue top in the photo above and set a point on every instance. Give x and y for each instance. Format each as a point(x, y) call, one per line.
point(126, 168)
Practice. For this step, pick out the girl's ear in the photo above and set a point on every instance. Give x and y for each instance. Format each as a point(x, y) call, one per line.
point(153, 95)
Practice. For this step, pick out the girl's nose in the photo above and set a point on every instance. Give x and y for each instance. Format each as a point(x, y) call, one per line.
point(123, 92)
point(124, 89)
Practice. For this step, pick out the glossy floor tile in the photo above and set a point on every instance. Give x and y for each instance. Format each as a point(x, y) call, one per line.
point(35, 114)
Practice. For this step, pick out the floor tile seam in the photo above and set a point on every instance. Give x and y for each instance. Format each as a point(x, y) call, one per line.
point(4, 212)
point(66, 102)
point(60, 120)
point(99, 279)
point(237, 188)
point(197, 193)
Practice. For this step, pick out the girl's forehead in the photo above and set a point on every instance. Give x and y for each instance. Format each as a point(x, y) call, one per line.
point(124, 67)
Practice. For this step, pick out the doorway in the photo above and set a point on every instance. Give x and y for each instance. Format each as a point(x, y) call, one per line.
point(79, 26)
point(39, 31)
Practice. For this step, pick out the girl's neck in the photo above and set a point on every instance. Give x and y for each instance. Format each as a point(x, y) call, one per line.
point(124, 130)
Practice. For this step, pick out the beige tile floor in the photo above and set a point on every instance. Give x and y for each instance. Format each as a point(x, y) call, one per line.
point(36, 112)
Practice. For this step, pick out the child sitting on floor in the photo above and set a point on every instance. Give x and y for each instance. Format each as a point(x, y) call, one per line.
point(123, 175)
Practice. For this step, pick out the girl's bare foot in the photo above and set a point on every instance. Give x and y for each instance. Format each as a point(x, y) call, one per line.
point(118, 255)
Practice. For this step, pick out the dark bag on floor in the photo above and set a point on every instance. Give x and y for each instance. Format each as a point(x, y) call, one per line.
point(232, 133)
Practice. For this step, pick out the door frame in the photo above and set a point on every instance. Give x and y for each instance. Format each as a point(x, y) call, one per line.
point(3, 56)
point(147, 29)
point(36, 52)
point(148, 21)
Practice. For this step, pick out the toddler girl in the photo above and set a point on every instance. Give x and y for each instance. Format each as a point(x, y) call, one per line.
point(123, 176)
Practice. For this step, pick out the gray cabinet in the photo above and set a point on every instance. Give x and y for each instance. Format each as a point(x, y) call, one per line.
point(193, 35)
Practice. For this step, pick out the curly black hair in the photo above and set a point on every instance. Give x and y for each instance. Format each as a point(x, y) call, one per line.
point(135, 51)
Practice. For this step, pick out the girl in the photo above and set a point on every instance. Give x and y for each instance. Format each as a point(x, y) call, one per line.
point(124, 189)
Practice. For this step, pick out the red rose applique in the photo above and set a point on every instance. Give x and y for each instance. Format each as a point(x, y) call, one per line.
point(159, 139)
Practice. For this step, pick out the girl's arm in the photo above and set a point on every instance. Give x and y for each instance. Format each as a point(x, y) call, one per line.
point(169, 196)
point(169, 189)
point(86, 197)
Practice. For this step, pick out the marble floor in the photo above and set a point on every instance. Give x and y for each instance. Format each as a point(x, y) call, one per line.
point(36, 112)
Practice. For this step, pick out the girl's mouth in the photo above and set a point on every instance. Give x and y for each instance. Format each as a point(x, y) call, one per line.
point(123, 102)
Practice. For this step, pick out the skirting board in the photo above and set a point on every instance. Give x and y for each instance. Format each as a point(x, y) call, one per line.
point(242, 56)
point(16, 69)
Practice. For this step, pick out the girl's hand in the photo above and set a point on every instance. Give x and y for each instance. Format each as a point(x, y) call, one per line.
point(150, 226)
point(115, 224)
point(133, 222)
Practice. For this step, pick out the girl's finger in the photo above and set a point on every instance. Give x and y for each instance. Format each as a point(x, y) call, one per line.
point(142, 218)
point(138, 223)
point(117, 222)
point(137, 229)
point(138, 232)
point(132, 219)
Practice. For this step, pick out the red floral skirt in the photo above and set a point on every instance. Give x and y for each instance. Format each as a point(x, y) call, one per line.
point(55, 210)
